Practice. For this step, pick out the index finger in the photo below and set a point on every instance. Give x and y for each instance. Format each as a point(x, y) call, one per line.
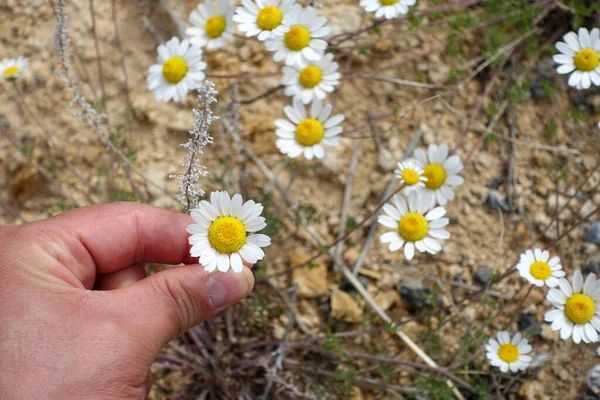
point(106, 238)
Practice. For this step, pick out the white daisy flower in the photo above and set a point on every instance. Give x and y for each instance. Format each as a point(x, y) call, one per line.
point(578, 308)
point(411, 175)
point(178, 70)
point(265, 18)
point(580, 56)
point(222, 235)
point(441, 172)
point(387, 9)
point(211, 24)
point(413, 225)
point(538, 268)
point(12, 68)
point(311, 79)
point(509, 354)
point(308, 131)
point(301, 33)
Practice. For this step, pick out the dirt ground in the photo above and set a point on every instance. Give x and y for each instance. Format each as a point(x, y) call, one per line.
point(52, 162)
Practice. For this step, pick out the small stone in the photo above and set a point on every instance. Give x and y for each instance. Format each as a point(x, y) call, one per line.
point(563, 375)
point(384, 45)
point(496, 182)
point(483, 275)
point(526, 320)
point(311, 280)
point(593, 379)
point(346, 286)
point(586, 208)
point(592, 234)
point(549, 334)
point(386, 160)
point(593, 267)
point(532, 390)
point(538, 88)
point(387, 299)
point(413, 292)
point(345, 308)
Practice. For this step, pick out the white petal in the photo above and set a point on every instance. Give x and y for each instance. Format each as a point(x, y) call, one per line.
point(409, 250)
point(236, 263)
point(223, 262)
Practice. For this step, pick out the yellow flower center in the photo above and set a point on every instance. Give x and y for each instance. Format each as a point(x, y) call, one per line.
point(540, 270)
point(310, 76)
point(580, 308)
point(297, 38)
point(586, 60)
point(10, 71)
point(175, 69)
point(413, 227)
point(215, 26)
point(309, 132)
point(436, 176)
point(410, 177)
point(387, 2)
point(269, 18)
point(227, 235)
point(508, 353)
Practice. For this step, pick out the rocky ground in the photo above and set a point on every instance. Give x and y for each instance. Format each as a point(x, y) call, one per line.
point(52, 162)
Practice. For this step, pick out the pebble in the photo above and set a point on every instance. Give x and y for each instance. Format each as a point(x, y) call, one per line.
point(344, 307)
point(586, 208)
point(346, 286)
point(538, 87)
point(526, 320)
point(483, 275)
point(549, 334)
point(593, 379)
point(414, 292)
point(593, 267)
point(593, 233)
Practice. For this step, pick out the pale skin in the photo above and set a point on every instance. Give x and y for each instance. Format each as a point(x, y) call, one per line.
point(79, 318)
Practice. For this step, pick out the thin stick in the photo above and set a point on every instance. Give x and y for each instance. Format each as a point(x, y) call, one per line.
point(347, 194)
point(113, 6)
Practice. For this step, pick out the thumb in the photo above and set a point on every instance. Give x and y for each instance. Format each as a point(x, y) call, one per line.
point(166, 304)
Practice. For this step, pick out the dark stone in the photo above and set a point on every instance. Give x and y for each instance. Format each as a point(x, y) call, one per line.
point(538, 87)
point(495, 199)
point(414, 292)
point(347, 287)
point(593, 267)
point(459, 278)
point(593, 233)
point(496, 182)
point(526, 321)
point(592, 379)
point(483, 275)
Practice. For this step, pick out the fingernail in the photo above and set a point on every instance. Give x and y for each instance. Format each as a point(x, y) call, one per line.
point(228, 288)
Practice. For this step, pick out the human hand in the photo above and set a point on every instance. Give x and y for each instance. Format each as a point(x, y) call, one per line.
point(61, 339)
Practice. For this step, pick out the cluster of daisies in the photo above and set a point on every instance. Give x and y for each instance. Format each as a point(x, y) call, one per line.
point(295, 34)
point(575, 313)
point(416, 219)
point(417, 216)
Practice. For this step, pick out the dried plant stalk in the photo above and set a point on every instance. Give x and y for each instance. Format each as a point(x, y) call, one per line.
point(189, 194)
